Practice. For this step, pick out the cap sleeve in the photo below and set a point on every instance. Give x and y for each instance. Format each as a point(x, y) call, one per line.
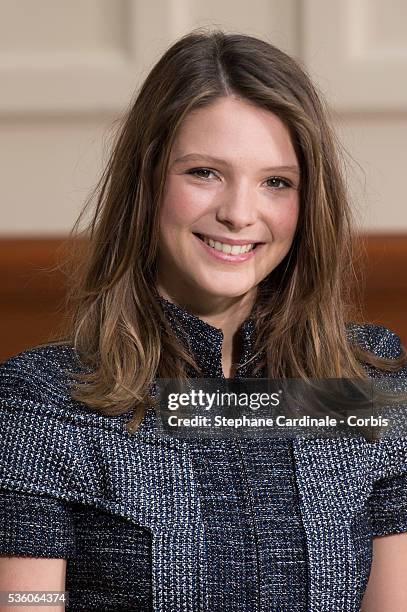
point(388, 500)
point(37, 459)
point(35, 526)
point(388, 506)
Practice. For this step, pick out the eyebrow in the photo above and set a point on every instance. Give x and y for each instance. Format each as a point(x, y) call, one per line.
point(218, 160)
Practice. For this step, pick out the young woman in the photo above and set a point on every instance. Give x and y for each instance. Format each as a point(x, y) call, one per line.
point(219, 247)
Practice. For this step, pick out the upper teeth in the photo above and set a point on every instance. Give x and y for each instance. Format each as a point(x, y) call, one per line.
point(228, 248)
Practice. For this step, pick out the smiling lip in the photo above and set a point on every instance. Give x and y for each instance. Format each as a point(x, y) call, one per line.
point(226, 257)
point(229, 240)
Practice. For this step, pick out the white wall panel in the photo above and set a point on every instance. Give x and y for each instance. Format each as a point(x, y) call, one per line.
point(274, 20)
point(357, 50)
point(75, 56)
point(54, 26)
point(48, 167)
point(376, 174)
point(69, 67)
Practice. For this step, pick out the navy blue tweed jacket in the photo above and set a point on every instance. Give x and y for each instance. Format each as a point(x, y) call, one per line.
point(157, 523)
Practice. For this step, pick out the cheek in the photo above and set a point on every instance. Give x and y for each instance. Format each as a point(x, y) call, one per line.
point(180, 205)
point(283, 221)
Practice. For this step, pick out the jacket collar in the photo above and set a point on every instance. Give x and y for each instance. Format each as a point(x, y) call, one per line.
point(205, 341)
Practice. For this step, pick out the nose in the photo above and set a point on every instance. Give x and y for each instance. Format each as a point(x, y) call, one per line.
point(237, 209)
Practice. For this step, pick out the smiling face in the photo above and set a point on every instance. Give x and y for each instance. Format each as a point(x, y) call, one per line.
point(233, 175)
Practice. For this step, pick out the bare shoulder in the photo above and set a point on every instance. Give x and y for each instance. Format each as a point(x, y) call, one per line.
point(387, 587)
point(32, 574)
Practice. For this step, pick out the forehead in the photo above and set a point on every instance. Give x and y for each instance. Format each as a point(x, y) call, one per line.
point(234, 131)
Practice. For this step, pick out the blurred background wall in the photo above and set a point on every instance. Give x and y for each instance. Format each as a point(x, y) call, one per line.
point(68, 69)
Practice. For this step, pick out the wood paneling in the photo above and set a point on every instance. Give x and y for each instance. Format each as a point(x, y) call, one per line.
point(31, 296)
point(385, 294)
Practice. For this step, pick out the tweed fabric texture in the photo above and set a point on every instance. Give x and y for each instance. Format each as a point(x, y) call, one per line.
point(255, 538)
point(147, 523)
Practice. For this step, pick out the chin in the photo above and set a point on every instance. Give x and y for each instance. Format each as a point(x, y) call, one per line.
point(225, 291)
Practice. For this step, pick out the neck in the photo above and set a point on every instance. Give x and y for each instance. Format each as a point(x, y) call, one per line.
point(225, 314)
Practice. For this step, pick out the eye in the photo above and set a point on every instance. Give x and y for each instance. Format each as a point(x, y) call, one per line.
point(277, 179)
point(203, 174)
point(196, 171)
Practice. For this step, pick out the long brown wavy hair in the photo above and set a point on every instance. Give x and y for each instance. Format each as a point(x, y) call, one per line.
point(117, 325)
